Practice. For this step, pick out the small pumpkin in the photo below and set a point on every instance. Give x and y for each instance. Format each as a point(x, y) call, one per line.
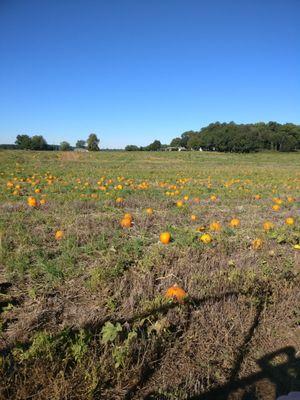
point(276, 207)
point(126, 222)
point(268, 225)
point(290, 221)
point(235, 223)
point(59, 235)
point(176, 293)
point(257, 244)
point(205, 238)
point(31, 201)
point(215, 226)
point(165, 237)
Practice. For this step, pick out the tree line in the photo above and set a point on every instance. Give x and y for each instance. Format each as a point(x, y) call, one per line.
point(224, 137)
point(232, 137)
point(37, 142)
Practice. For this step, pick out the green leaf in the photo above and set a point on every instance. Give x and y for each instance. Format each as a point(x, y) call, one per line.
point(110, 332)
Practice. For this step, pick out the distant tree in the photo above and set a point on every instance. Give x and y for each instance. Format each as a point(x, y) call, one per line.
point(8, 146)
point(131, 147)
point(80, 144)
point(93, 142)
point(38, 143)
point(23, 142)
point(156, 145)
point(52, 147)
point(194, 142)
point(65, 146)
point(185, 137)
point(176, 142)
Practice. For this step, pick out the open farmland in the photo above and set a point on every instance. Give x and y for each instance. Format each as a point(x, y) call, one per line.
point(82, 299)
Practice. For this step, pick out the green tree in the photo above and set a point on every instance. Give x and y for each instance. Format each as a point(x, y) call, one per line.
point(131, 147)
point(194, 141)
point(65, 146)
point(176, 142)
point(38, 143)
point(80, 144)
point(93, 142)
point(156, 145)
point(23, 142)
point(185, 137)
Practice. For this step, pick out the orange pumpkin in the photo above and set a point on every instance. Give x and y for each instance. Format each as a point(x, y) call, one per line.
point(32, 202)
point(268, 225)
point(290, 221)
point(126, 222)
point(257, 244)
point(215, 226)
point(276, 207)
point(176, 293)
point(165, 237)
point(59, 235)
point(235, 223)
point(205, 238)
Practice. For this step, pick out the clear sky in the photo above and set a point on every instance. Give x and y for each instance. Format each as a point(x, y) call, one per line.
point(137, 70)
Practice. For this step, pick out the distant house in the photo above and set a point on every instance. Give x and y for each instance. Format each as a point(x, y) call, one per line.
point(171, 148)
point(81, 150)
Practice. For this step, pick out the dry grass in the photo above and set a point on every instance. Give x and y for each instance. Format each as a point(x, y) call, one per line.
point(57, 298)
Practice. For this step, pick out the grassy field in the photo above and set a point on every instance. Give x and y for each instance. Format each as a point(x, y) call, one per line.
point(83, 306)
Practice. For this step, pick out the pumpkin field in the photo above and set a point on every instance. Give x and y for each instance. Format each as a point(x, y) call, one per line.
point(149, 275)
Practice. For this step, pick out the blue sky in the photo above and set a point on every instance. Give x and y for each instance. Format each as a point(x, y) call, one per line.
point(137, 70)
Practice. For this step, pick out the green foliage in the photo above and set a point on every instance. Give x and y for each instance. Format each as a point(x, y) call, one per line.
point(121, 352)
point(79, 346)
point(41, 346)
point(93, 142)
point(110, 332)
point(26, 142)
point(131, 147)
point(242, 138)
point(23, 142)
point(156, 145)
point(176, 142)
point(65, 146)
point(80, 144)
